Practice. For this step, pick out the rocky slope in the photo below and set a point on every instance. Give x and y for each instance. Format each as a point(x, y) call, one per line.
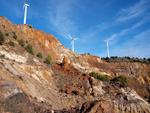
point(29, 85)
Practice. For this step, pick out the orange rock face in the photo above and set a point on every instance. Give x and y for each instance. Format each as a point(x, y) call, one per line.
point(65, 62)
point(71, 63)
point(91, 58)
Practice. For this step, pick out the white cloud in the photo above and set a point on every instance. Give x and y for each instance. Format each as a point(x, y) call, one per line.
point(143, 21)
point(138, 46)
point(60, 18)
point(132, 12)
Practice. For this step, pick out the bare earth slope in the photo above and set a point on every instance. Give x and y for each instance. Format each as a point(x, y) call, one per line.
point(29, 85)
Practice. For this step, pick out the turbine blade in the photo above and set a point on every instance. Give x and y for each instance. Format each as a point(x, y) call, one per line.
point(70, 36)
point(24, 5)
point(75, 38)
point(71, 42)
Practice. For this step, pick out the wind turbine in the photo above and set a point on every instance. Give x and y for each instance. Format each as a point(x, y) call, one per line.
point(25, 13)
point(107, 41)
point(128, 52)
point(72, 42)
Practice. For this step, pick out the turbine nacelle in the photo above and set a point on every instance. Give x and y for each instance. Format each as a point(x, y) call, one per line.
point(26, 5)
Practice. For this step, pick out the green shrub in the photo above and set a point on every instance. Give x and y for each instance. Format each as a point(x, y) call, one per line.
point(146, 97)
point(15, 36)
point(29, 49)
point(30, 26)
point(93, 74)
point(122, 79)
point(104, 78)
point(13, 32)
point(77, 57)
point(113, 57)
point(48, 60)
point(39, 55)
point(127, 57)
point(2, 56)
point(149, 100)
point(7, 34)
point(2, 38)
point(3, 26)
point(100, 77)
point(11, 43)
point(21, 42)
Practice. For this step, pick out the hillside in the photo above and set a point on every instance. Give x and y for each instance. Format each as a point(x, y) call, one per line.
point(27, 84)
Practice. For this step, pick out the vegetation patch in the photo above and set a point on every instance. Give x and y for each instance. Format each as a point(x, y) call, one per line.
point(7, 34)
point(121, 79)
point(114, 59)
point(149, 100)
point(21, 42)
point(48, 60)
point(29, 49)
point(11, 43)
point(39, 55)
point(100, 77)
point(30, 26)
point(3, 26)
point(2, 38)
point(2, 56)
point(15, 36)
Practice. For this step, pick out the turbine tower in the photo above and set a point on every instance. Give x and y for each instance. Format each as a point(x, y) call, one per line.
point(72, 42)
point(128, 52)
point(25, 13)
point(107, 41)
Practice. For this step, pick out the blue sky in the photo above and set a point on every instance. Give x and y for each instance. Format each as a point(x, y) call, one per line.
point(126, 23)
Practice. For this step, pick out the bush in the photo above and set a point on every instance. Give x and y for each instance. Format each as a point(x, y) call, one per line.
point(48, 60)
point(149, 100)
point(3, 26)
point(127, 57)
point(100, 77)
point(122, 79)
point(2, 38)
point(11, 43)
point(30, 26)
point(93, 74)
point(113, 57)
point(39, 55)
point(21, 42)
point(2, 56)
point(29, 49)
point(104, 78)
point(15, 36)
point(7, 34)
point(148, 60)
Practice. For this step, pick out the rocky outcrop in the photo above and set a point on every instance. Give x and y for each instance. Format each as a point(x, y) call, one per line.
point(97, 107)
point(13, 99)
point(27, 83)
point(45, 43)
point(65, 62)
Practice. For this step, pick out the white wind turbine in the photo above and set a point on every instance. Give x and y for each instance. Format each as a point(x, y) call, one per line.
point(25, 13)
point(72, 42)
point(107, 41)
